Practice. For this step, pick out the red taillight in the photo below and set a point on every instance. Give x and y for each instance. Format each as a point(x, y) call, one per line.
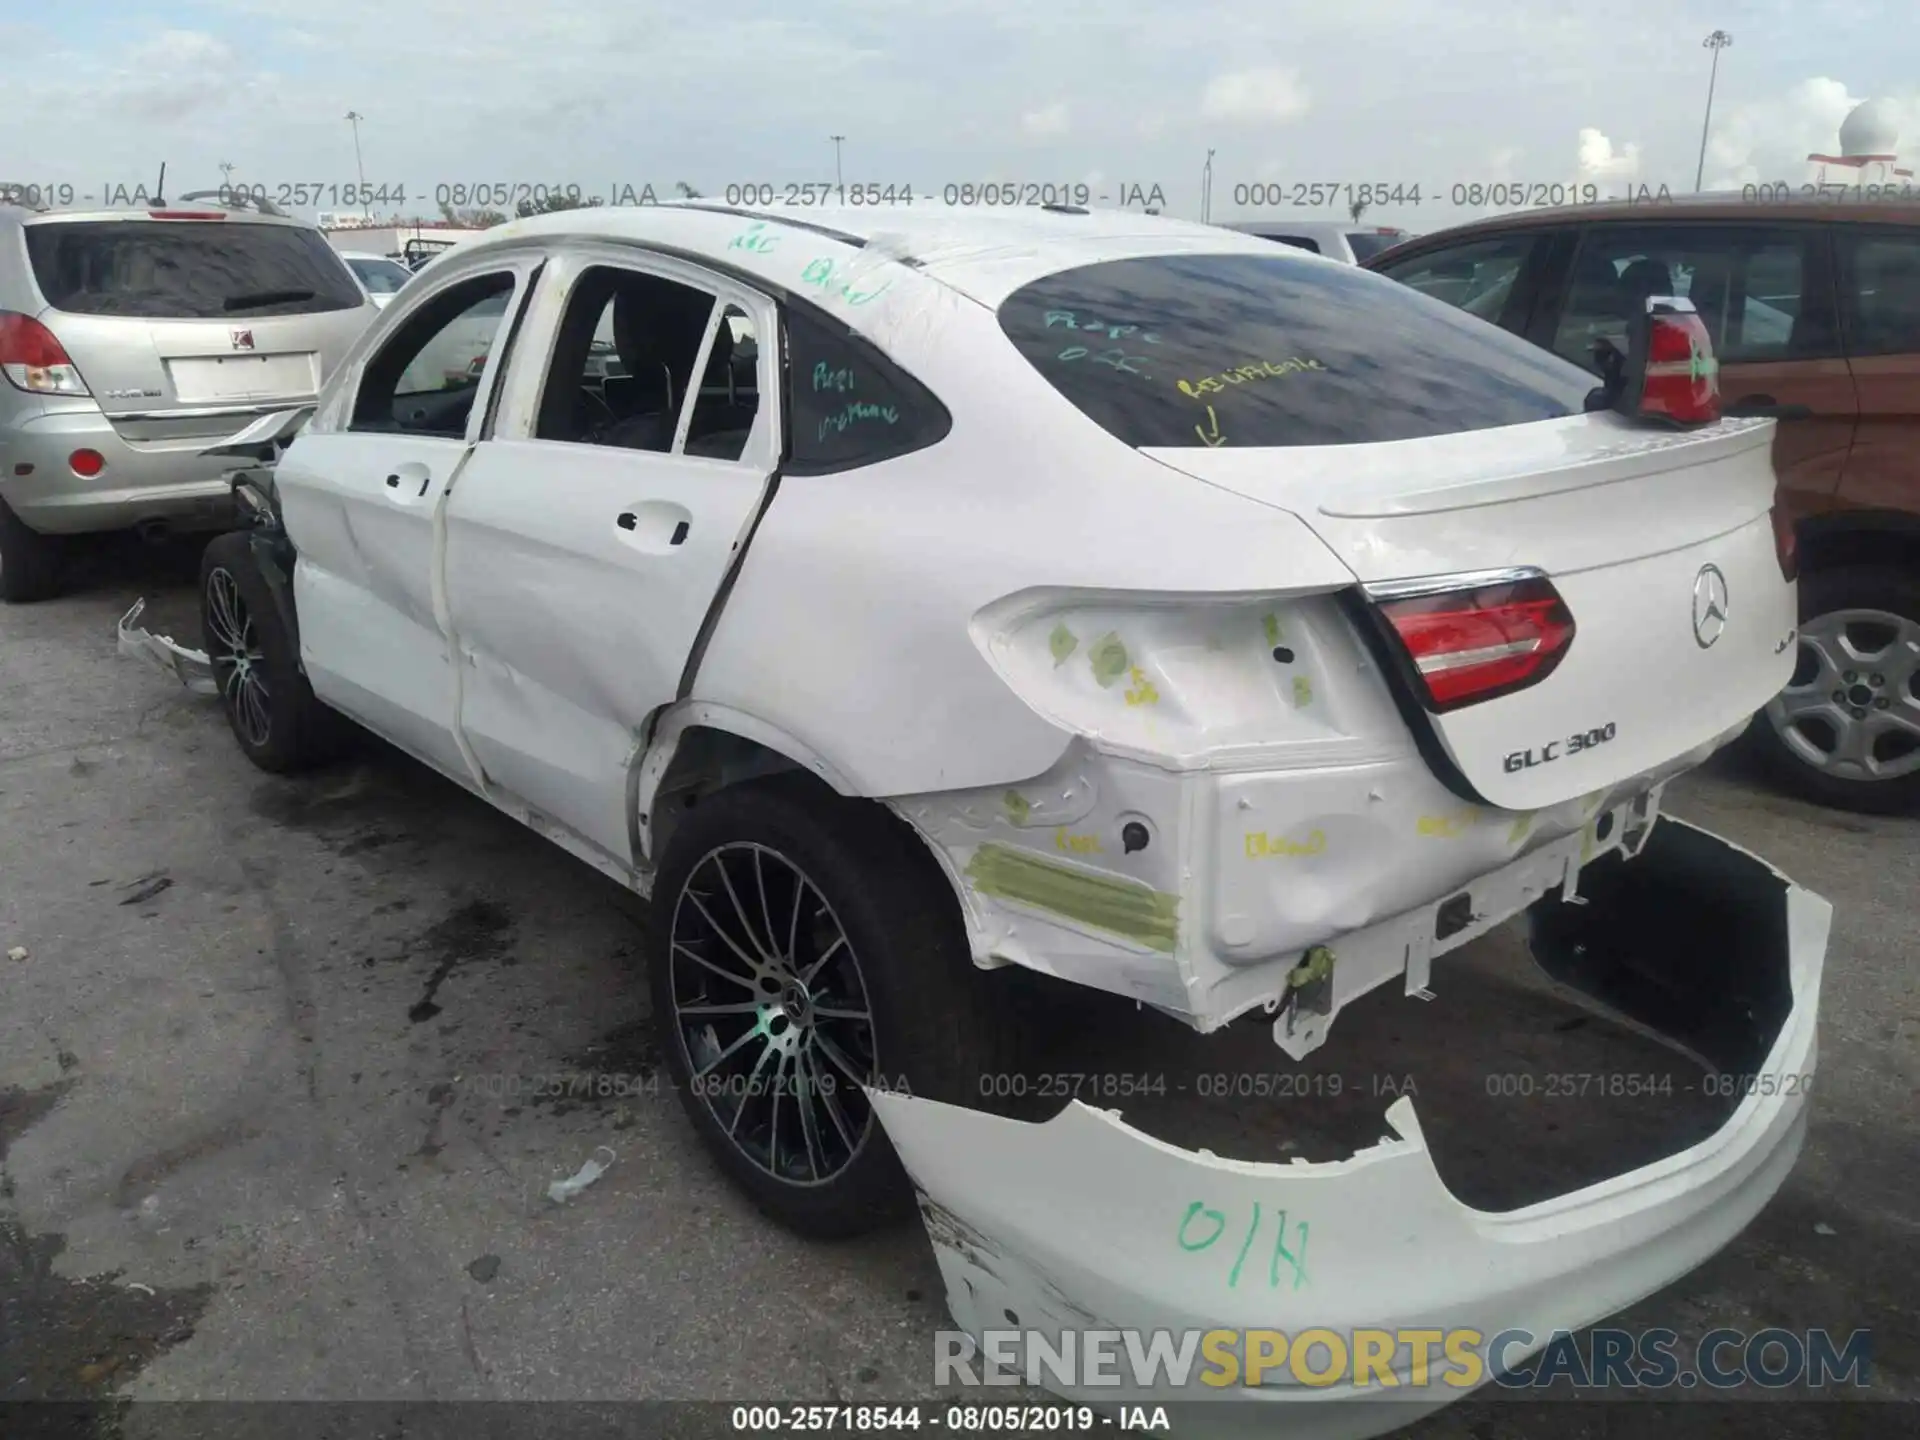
point(1683, 379)
point(87, 463)
point(33, 359)
point(1786, 543)
point(186, 214)
point(1475, 640)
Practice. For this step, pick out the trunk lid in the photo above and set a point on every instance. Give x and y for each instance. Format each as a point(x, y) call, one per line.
point(1661, 544)
point(185, 329)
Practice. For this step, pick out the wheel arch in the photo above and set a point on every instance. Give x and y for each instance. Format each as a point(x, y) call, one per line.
point(696, 748)
point(1860, 537)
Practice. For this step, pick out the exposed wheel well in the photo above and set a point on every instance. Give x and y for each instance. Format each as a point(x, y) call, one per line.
point(706, 761)
point(1862, 538)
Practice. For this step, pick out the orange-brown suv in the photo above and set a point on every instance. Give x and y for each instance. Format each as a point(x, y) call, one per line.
point(1814, 308)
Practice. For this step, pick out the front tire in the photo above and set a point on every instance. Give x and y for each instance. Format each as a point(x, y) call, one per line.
point(270, 707)
point(1845, 733)
point(802, 946)
point(30, 563)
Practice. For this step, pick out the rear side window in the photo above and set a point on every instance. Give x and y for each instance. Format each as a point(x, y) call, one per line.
point(1256, 350)
point(847, 404)
point(1299, 242)
point(1882, 289)
point(188, 269)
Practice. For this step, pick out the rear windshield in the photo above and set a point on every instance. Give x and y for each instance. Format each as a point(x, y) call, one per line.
point(1369, 243)
point(187, 270)
point(1275, 350)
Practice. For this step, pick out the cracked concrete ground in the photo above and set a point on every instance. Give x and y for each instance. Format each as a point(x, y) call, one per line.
point(273, 1121)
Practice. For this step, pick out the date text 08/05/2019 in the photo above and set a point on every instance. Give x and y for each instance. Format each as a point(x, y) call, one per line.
point(506, 196)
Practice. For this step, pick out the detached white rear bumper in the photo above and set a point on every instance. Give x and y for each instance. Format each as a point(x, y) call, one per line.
point(1084, 1223)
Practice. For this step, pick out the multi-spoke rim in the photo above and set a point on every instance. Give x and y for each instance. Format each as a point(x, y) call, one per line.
point(238, 662)
point(1852, 709)
point(772, 1013)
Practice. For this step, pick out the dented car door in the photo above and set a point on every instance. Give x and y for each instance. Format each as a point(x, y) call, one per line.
point(591, 532)
point(363, 496)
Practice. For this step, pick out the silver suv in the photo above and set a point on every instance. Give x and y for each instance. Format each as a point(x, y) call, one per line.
point(129, 341)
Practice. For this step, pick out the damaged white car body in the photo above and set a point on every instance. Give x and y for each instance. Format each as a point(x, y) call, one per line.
point(1126, 601)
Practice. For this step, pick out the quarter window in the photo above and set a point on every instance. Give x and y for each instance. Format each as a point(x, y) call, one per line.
point(850, 406)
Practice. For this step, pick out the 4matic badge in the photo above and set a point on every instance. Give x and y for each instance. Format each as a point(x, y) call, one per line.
point(1555, 749)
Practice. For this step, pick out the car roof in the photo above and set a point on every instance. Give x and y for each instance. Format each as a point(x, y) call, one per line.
point(984, 253)
point(1721, 205)
point(229, 216)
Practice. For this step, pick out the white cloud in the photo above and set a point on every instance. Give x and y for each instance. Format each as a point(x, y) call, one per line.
point(1599, 160)
point(1046, 123)
point(1767, 141)
point(1253, 96)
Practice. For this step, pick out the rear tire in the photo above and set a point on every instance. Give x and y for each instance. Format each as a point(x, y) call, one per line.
point(1830, 736)
point(874, 929)
point(30, 563)
point(270, 707)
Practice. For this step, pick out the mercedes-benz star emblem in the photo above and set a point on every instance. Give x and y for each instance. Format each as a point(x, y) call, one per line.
point(1709, 605)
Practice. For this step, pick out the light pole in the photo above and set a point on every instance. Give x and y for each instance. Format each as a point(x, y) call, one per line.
point(838, 183)
point(1716, 42)
point(1206, 191)
point(354, 117)
point(226, 180)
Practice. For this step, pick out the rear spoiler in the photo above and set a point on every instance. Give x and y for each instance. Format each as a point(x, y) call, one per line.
point(265, 435)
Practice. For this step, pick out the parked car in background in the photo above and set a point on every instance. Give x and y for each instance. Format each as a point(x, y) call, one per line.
point(1814, 311)
point(1336, 239)
point(379, 275)
point(129, 341)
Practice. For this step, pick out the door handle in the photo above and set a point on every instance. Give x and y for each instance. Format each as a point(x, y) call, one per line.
point(412, 480)
point(654, 527)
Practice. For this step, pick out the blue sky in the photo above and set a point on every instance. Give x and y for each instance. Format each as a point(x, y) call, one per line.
point(598, 92)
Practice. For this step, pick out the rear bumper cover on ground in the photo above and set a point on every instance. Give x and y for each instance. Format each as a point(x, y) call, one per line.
point(1083, 1223)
